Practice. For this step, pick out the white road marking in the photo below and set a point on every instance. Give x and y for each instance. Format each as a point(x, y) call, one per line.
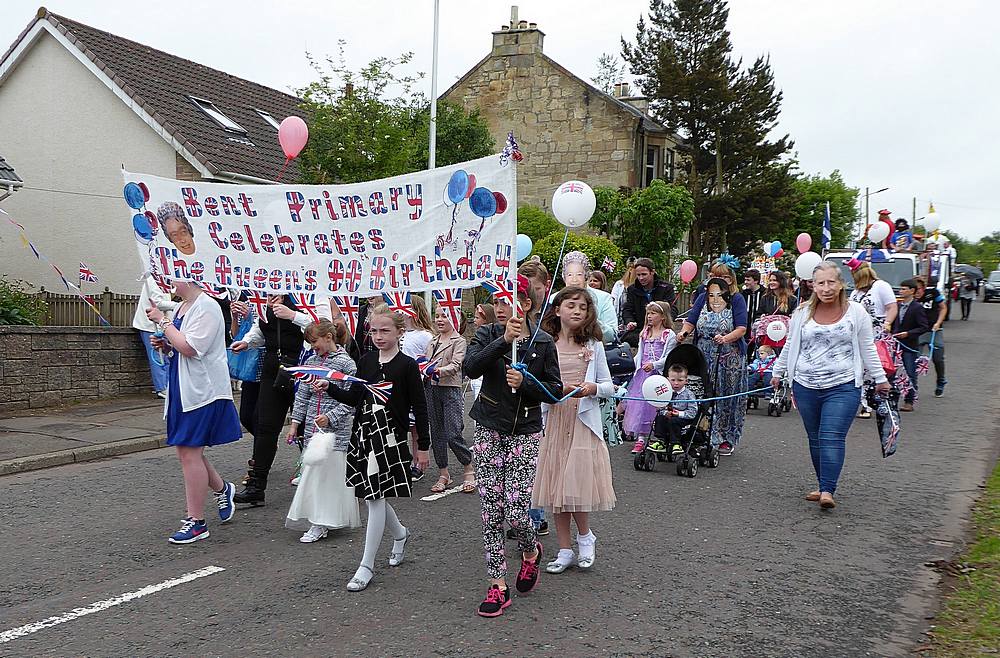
point(98, 606)
point(446, 492)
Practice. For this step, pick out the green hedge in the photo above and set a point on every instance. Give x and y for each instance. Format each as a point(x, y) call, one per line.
point(596, 248)
point(536, 223)
point(18, 306)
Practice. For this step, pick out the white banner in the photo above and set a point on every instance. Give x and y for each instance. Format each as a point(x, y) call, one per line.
point(451, 227)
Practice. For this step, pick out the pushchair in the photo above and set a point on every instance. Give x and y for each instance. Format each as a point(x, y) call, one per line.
point(779, 400)
point(695, 435)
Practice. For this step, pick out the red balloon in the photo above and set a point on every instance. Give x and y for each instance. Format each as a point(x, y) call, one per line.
point(145, 191)
point(501, 203)
point(151, 216)
point(472, 186)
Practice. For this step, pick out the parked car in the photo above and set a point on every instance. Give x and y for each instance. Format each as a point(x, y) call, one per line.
point(991, 290)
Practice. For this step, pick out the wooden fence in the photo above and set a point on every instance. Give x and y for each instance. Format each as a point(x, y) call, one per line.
point(71, 311)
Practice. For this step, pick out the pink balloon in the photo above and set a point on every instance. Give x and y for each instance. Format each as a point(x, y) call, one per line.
point(292, 135)
point(689, 269)
point(803, 242)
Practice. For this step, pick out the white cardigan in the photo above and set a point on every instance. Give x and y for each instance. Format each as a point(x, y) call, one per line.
point(668, 345)
point(865, 354)
point(204, 377)
point(589, 411)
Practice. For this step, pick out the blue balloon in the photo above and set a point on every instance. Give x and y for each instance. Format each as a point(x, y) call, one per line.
point(523, 246)
point(483, 203)
point(134, 196)
point(141, 225)
point(458, 186)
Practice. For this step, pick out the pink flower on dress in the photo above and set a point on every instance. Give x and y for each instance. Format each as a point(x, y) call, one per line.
point(587, 354)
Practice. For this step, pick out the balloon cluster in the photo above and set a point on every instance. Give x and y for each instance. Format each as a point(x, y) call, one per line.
point(144, 222)
point(773, 249)
point(482, 202)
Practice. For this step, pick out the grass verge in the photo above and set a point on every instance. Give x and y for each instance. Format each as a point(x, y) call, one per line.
point(969, 622)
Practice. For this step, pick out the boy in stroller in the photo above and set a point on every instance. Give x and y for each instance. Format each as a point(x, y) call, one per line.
point(671, 421)
point(759, 370)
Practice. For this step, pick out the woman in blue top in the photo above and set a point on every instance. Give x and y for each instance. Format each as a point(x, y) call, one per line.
point(718, 319)
point(199, 408)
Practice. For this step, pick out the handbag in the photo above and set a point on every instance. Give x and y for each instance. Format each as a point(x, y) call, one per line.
point(621, 361)
point(245, 365)
point(319, 448)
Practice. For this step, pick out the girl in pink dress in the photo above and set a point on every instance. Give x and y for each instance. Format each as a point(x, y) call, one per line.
point(655, 342)
point(574, 468)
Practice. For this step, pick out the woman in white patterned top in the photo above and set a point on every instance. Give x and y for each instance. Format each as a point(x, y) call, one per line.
point(830, 347)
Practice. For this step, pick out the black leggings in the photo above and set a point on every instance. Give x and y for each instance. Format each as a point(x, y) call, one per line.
point(248, 405)
point(966, 308)
point(272, 409)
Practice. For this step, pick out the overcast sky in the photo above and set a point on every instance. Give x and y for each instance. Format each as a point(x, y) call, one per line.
point(893, 93)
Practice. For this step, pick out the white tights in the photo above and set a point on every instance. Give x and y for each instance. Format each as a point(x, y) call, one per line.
point(380, 514)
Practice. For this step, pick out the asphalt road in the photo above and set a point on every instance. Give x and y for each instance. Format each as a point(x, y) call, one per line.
point(731, 563)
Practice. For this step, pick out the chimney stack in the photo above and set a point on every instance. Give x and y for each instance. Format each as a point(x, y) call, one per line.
point(519, 37)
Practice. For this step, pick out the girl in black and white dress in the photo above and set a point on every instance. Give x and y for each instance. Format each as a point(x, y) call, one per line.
point(378, 460)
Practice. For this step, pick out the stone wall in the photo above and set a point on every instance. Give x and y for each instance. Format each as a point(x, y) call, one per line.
point(564, 128)
point(46, 366)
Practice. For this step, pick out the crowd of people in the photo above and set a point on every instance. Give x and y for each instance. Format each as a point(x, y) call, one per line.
point(545, 404)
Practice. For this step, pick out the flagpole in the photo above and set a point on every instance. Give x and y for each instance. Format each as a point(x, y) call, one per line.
point(432, 136)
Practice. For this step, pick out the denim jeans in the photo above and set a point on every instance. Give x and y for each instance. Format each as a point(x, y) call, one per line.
point(160, 372)
point(827, 414)
point(910, 365)
point(937, 354)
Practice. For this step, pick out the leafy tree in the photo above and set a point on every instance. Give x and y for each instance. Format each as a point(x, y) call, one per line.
point(984, 253)
point(369, 124)
point(649, 222)
point(725, 112)
point(811, 196)
point(610, 71)
point(536, 223)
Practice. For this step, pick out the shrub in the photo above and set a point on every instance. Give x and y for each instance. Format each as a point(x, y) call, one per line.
point(536, 223)
point(18, 306)
point(596, 248)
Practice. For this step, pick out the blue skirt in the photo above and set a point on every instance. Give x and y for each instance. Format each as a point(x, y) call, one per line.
point(211, 425)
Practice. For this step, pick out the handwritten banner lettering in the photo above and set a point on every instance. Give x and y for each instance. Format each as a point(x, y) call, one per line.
point(451, 227)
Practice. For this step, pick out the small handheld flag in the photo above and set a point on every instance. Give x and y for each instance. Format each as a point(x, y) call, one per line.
point(349, 307)
point(399, 302)
point(306, 303)
point(450, 299)
point(86, 274)
point(827, 227)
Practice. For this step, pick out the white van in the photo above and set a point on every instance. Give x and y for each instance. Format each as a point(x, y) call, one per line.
point(898, 268)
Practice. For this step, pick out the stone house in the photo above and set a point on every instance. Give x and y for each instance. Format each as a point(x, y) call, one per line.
point(77, 104)
point(566, 127)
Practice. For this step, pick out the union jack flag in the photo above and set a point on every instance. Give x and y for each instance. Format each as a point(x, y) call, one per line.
point(259, 303)
point(451, 300)
point(213, 292)
point(399, 302)
point(309, 374)
point(503, 289)
point(349, 307)
point(305, 303)
point(428, 369)
point(86, 274)
point(161, 283)
point(608, 265)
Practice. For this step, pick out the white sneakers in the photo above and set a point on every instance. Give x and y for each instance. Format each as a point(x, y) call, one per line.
point(588, 550)
point(314, 533)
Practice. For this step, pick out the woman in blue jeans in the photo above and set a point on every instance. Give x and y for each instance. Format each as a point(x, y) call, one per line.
point(829, 353)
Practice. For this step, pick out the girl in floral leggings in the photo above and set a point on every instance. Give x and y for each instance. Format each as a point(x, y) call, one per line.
point(509, 427)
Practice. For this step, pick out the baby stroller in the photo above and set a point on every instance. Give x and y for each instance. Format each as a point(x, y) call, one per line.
point(780, 400)
point(695, 435)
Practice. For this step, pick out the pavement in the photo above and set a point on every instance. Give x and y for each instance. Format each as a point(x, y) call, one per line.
point(731, 563)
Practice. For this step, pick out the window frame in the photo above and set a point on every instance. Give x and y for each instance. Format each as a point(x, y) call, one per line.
point(268, 118)
point(653, 168)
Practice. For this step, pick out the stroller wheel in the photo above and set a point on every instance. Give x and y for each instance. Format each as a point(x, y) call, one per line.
point(681, 468)
point(650, 461)
point(637, 461)
point(786, 405)
point(713, 459)
point(770, 408)
point(670, 456)
point(692, 469)
point(777, 410)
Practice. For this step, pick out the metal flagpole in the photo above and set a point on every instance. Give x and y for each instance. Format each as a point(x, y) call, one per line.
point(432, 137)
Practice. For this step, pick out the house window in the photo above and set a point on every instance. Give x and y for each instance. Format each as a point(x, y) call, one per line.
point(209, 108)
point(668, 165)
point(267, 117)
point(652, 165)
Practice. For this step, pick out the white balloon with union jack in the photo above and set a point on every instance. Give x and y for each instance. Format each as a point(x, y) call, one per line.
point(574, 203)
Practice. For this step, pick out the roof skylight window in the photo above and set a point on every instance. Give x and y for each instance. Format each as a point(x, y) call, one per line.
point(209, 108)
point(267, 117)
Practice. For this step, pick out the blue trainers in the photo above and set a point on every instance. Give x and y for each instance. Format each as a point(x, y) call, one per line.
point(191, 531)
point(227, 508)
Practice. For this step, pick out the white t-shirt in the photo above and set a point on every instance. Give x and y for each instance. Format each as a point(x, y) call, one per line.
point(876, 299)
point(826, 354)
point(415, 343)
